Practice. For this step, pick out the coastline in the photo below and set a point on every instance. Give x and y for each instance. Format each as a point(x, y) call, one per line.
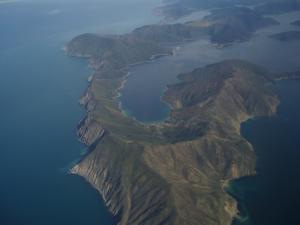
point(105, 181)
point(123, 81)
point(232, 209)
point(228, 184)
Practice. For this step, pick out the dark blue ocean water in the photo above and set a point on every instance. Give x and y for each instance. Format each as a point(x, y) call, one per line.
point(273, 196)
point(39, 92)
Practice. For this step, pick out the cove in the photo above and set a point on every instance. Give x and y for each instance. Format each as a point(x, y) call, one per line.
point(141, 94)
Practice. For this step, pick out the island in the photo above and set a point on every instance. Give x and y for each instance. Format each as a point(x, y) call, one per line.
point(293, 35)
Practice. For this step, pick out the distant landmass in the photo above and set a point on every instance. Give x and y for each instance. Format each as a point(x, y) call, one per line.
point(287, 36)
point(296, 23)
point(223, 26)
point(176, 9)
point(8, 1)
point(278, 7)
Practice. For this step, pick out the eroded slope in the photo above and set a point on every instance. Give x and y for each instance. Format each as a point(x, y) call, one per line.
point(174, 172)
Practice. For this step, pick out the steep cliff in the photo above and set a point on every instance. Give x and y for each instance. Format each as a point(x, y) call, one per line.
point(173, 172)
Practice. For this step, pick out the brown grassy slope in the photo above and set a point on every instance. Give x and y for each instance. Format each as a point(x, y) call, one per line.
point(175, 174)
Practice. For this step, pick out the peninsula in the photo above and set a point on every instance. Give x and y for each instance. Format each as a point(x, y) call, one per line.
point(173, 172)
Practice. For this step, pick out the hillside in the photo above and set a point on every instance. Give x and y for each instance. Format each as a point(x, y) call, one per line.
point(174, 172)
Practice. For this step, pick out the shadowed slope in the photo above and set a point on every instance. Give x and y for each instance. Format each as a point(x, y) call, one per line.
point(176, 173)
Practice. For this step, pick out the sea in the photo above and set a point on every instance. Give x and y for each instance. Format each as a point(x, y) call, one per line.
point(39, 91)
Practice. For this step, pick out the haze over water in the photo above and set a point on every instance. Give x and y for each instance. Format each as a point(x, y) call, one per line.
point(271, 197)
point(147, 82)
point(39, 92)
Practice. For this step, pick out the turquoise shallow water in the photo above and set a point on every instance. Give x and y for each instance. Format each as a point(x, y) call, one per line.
point(39, 92)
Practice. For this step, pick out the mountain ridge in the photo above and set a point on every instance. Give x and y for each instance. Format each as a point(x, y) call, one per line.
point(128, 165)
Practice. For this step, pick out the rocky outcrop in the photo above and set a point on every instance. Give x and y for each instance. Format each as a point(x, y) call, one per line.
point(89, 130)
